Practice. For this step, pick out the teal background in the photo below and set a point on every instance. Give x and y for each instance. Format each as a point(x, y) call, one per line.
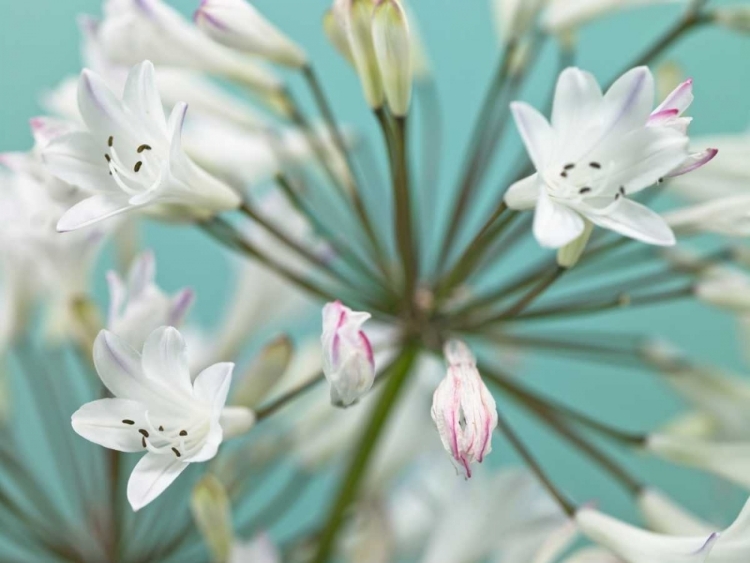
point(39, 46)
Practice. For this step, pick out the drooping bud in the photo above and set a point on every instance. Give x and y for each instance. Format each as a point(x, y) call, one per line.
point(736, 18)
point(263, 374)
point(463, 409)
point(354, 17)
point(568, 255)
point(239, 25)
point(213, 516)
point(348, 362)
point(391, 39)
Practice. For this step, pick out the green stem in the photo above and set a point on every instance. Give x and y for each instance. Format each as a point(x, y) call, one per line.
point(404, 216)
point(266, 411)
point(347, 494)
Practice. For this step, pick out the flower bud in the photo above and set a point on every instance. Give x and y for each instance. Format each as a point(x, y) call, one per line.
point(568, 255)
point(354, 17)
point(348, 362)
point(736, 18)
point(516, 17)
point(263, 374)
point(239, 25)
point(390, 34)
point(213, 517)
point(463, 409)
point(725, 288)
point(337, 36)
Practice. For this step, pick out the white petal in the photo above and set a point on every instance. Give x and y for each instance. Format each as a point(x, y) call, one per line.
point(151, 476)
point(78, 159)
point(536, 133)
point(142, 274)
point(524, 193)
point(92, 210)
point(679, 99)
point(142, 98)
point(693, 162)
point(555, 225)
point(101, 110)
point(212, 385)
point(236, 421)
point(628, 103)
point(577, 98)
point(119, 367)
point(165, 359)
point(636, 221)
point(101, 422)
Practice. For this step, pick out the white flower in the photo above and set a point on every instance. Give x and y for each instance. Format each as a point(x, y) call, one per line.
point(136, 30)
point(239, 25)
point(563, 15)
point(598, 150)
point(634, 545)
point(138, 306)
point(727, 459)
point(348, 361)
point(158, 408)
point(131, 157)
point(463, 409)
point(258, 550)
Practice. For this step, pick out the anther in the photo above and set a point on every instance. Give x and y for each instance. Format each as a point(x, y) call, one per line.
point(142, 148)
point(569, 166)
point(126, 421)
point(183, 432)
point(584, 190)
point(622, 190)
point(161, 429)
point(564, 174)
point(176, 452)
point(110, 141)
point(138, 166)
point(144, 432)
point(595, 165)
point(108, 158)
point(143, 442)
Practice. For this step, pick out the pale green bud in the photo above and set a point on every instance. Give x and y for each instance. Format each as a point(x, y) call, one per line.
point(390, 34)
point(568, 255)
point(267, 369)
point(213, 516)
point(736, 18)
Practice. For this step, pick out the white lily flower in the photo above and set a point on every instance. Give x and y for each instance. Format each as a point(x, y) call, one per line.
point(159, 408)
point(599, 149)
point(348, 360)
point(258, 550)
point(564, 15)
point(635, 545)
point(138, 306)
point(727, 459)
point(463, 409)
point(131, 157)
point(137, 30)
point(239, 25)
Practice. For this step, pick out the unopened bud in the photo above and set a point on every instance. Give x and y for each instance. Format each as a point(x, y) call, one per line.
point(390, 34)
point(237, 24)
point(736, 18)
point(568, 255)
point(213, 517)
point(337, 36)
point(267, 369)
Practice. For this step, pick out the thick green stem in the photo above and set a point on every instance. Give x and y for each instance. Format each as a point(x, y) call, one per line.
point(347, 494)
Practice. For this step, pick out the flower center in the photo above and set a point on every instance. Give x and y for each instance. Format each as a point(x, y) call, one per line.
point(180, 439)
point(579, 181)
point(131, 168)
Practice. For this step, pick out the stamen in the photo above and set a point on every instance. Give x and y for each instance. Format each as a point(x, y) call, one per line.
point(144, 432)
point(110, 141)
point(595, 165)
point(142, 148)
point(161, 429)
point(584, 190)
point(564, 174)
point(622, 190)
point(143, 441)
point(138, 166)
point(569, 166)
point(176, 452)
point(183, 432)
point(108, 158)
point(126, 421)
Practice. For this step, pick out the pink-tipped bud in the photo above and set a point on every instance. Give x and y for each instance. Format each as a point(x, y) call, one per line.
point(348, 362)
point(463, 409)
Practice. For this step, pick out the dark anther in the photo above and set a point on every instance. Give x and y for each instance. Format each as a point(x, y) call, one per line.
point(660, 181)
point(176, 452)
point(161, 429)
point(569, 166)
point(143, 148)
point(584, 190)
point(138, 166)
point(622, 190)
point(144, 432)
point(564, 174)
point(595, 165)
point(110, 172)
point(183, 432)
point(617, 196)
point(126, 421)
point(143, 441)
point(110, 141)
point(109, 158)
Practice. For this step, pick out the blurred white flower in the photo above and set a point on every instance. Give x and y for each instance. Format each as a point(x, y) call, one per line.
point(348, 360)
point(137, 30)
point(727, 288)
point(131, 157)
point(664, 516)
point(137, 306)
point(598, 150)
point(258, 550)
point(463, 409)
point(563, 15)
point(239, 25)
point(635, 545)
point(515, 18)
point(159, 408)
